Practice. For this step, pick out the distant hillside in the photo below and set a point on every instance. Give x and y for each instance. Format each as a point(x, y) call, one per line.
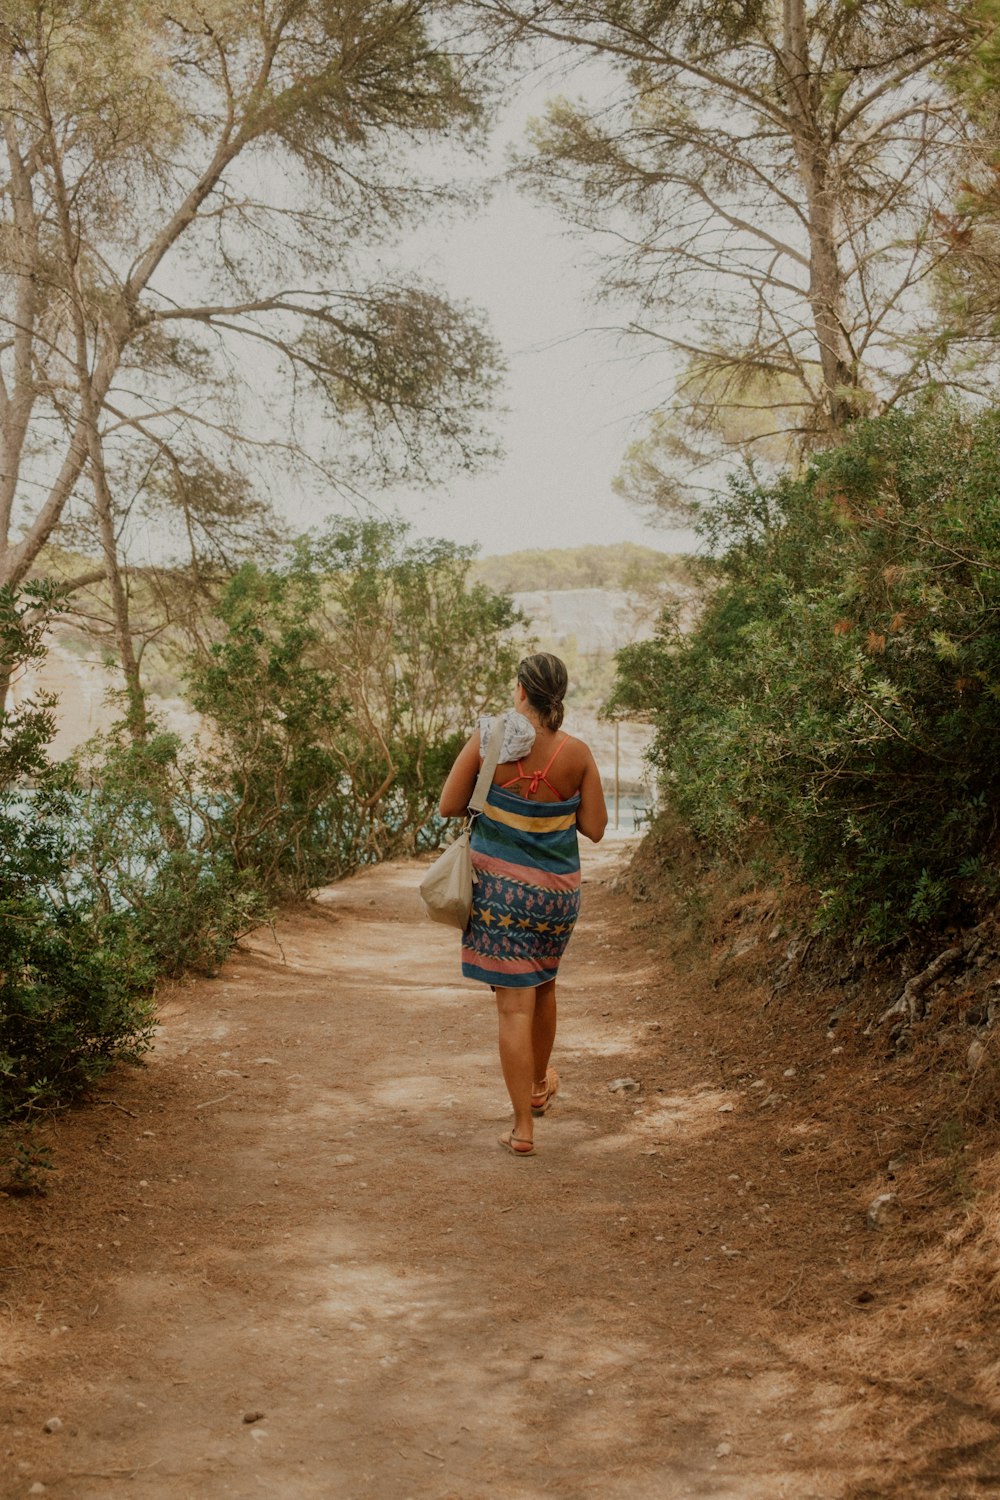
point(621, 566)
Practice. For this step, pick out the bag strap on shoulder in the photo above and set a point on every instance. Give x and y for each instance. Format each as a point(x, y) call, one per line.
point(478, 799)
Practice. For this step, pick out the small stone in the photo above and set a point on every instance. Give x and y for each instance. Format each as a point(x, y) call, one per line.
point(624, 1086)
point(725, 1109)
point(38, 1488)
point(253, 1416)
point(723, 1450)
point(788, 1073)
point(345, 1159)
point(759, 1083)
point(882, 1210)
point(148, 1135)
point(54, 1424)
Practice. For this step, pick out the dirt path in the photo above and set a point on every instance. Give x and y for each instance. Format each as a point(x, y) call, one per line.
point(288, 1259)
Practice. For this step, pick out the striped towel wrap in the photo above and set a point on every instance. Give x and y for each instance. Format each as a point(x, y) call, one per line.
point(526, 896)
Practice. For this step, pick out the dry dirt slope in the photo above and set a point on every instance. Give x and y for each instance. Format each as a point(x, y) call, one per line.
point(288, 1258)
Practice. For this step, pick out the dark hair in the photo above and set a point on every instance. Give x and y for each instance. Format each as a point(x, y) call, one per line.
point(545, 679)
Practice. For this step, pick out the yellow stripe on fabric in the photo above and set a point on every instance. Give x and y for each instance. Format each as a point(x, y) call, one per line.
point(528, 825)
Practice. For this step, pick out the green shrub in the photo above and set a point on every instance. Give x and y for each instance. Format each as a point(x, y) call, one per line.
point(145, 843)
point(339, 694)
point(839, 700)
point(74, 981)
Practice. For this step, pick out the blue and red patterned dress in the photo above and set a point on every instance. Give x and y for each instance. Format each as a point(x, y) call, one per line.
point(526, 892)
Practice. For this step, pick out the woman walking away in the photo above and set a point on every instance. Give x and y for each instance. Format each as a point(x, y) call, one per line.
point(527, 865)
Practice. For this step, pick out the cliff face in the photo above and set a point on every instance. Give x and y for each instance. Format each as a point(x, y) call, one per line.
point(598, 621)
point(85, 687)
point(595, 621)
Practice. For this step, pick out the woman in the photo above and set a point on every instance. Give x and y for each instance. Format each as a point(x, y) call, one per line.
point(527, 863)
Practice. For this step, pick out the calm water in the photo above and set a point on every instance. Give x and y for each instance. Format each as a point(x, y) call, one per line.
point(634, 811)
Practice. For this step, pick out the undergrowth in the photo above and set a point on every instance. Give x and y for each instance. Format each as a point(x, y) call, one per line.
point(838, 703)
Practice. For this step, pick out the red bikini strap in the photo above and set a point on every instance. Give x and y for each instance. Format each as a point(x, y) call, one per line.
point(534, 778)
point(555, 752)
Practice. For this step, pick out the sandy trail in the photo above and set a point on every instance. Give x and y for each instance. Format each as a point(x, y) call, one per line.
point(289, 1259)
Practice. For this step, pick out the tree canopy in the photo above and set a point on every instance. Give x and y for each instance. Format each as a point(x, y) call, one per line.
point(189, 293)
point(765, 181)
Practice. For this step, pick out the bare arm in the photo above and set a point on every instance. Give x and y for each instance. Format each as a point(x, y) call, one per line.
point(461, 780)
point(592, 816)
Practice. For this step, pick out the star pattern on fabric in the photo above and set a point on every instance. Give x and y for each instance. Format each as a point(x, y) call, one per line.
point(516, 923)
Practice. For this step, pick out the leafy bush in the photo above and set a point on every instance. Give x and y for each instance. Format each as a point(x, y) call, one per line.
point(74, 982)
point(339, 695)
point(840, 698)
point(143, 841)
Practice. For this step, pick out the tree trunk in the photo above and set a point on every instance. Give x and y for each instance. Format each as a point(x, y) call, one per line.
point(17, 403)
point(814, 156)
point(136, 718)
point(88, 429)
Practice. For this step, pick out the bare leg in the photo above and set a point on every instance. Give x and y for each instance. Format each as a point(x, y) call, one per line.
point(515, 1015)
point(543, 1032)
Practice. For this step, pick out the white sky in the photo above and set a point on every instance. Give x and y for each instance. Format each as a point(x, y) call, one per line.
point(573, 394)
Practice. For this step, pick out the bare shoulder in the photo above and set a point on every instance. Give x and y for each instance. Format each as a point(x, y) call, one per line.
point(579, 749)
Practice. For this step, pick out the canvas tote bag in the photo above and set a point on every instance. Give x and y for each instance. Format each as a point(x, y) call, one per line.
point(446, 889)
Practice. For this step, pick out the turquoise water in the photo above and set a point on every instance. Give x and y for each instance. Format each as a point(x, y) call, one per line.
point(634, 811)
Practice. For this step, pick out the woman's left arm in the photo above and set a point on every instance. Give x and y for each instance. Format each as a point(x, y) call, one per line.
point(592, 814)
point(461, 780)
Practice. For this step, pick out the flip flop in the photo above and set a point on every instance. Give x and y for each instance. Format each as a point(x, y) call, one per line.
point(541, 1102)
point(507, 1142)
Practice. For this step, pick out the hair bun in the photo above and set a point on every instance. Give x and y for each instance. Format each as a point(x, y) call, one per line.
point(544, 679)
